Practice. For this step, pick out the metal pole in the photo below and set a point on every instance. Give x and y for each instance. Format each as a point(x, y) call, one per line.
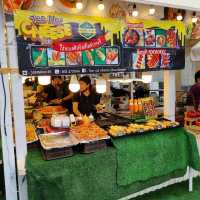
point(6, 118)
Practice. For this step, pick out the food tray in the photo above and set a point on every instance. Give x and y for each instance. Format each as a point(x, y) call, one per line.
point(57, 153)
point(108, 119)
point(87, 133)
point(49, 110)
point(53, 141)
point(94, 140)
point(31, 135)
point(93, 146)
point(142, 131)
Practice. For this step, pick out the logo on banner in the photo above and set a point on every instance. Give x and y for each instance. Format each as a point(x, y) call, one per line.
point(87, 30)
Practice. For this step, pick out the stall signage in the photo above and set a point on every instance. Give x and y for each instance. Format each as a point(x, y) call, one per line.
point(87, 30)
point(65, 44)
point(153, 45)
point(151, 59)
point(80, 46)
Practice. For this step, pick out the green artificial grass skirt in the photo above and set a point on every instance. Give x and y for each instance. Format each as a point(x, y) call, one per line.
point(140, 158)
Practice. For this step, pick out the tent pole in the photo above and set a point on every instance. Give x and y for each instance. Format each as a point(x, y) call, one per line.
point(6, 118)
point(18, 112)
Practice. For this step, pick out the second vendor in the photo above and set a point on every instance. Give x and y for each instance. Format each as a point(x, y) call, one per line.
point(86, 100)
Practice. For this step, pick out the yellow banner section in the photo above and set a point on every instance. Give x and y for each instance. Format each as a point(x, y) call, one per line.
point(165, 24)
point(60, 26)
point(56, 26)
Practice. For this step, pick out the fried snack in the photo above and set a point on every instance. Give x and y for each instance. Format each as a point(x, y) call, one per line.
point(39, 58)
point(88, 132)
point(74, 57)
point(89, 57)
point(111, 55)
point(52, 109)
point(100, 55)
point(31, 135)
point(117, 130)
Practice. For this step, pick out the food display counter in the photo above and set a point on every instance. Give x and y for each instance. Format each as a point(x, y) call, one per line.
point(132, 164)
point(109, 157)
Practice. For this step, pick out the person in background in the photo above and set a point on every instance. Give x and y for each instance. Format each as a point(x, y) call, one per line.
point(141, 91)
point(194, 92)
point(86, 101)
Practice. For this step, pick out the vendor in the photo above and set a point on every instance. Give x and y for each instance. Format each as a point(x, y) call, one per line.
point(58, 92)
point(195, 91)
point(86, 101)
point(52, 91)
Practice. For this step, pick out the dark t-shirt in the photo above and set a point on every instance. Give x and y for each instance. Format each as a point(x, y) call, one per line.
point(195, 92)
point(68, 103)
point(86, 104)
point(51, 92)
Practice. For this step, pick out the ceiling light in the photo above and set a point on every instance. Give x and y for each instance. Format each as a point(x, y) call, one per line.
point(179, 16)
point(79, 5)
point(49, 3)
point(194, 18)
point(74, 85)
point(101, 5)
point(23, 79)
point(44, 80)
point(152, 10)
point(135, 11)
point(146, 78)
point(101, 85)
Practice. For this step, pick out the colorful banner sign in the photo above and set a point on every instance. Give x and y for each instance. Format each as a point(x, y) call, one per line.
point(80, 46)
point(153, 44)
point(65, 44)
point(60, 44)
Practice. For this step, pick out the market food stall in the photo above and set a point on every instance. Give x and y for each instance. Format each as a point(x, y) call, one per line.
point(97, 156)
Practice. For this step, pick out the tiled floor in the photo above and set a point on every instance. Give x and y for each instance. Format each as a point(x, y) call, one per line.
point(175, 192)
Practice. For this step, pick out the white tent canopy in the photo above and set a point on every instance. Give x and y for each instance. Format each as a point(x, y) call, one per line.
point(195, 52)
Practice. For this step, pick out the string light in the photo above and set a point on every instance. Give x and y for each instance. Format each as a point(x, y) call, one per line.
point(44, 80)
point(179, 16)
point(74, 85)
point(49, 3)
point(135, 11)
point(146, 78)
point(101, 85)
point(152, 10)
point(79, 5)
point(194, 18)
point(101, 5)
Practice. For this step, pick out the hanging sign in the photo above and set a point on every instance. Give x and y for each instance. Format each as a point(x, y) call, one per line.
point(80, 46)
point(50, 43)
point(153, 45)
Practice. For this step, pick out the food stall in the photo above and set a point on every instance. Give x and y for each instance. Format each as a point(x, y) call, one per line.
point(97, 157)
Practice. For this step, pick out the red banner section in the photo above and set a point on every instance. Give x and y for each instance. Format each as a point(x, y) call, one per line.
point(80, 46)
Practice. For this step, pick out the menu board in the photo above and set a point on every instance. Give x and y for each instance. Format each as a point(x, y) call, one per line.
point(60, 44)
point(148, 105)
point(153, 45)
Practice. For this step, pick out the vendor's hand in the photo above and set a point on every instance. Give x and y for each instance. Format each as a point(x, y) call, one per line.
point(100, 107)
point(57, 101)
point(32, 100)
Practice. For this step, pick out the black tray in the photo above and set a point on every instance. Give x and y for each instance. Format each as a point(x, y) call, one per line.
point(107, 119)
